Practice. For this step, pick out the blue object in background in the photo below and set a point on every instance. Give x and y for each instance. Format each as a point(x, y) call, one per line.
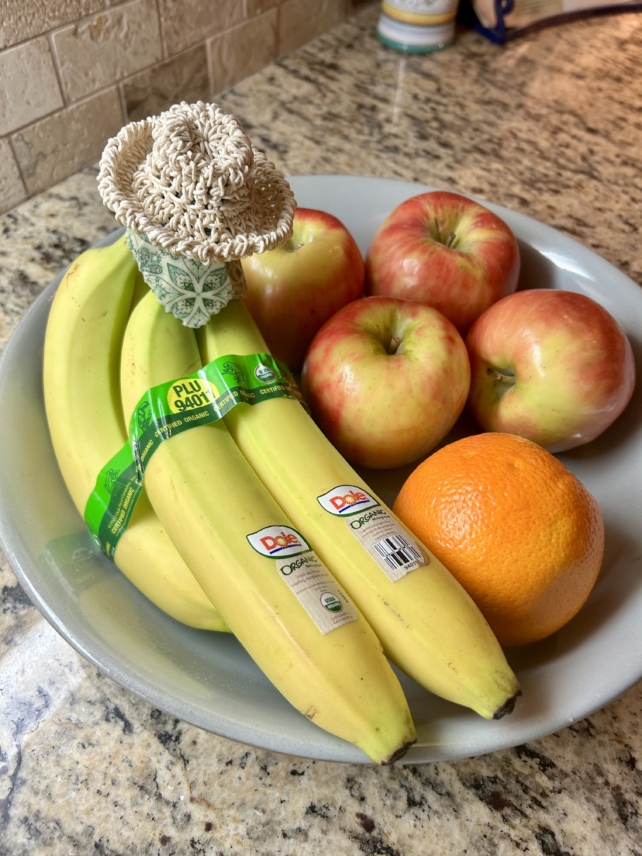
point(501, 33)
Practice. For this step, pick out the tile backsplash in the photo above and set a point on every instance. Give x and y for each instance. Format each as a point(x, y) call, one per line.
point(72, 72)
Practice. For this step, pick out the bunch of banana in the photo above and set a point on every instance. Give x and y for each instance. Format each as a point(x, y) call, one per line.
point(268, 585)
point(217, 501)
point(428, 625)
point(82, 399)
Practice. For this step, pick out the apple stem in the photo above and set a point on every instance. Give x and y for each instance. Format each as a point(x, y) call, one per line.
point(451, 240)
point(393, 345)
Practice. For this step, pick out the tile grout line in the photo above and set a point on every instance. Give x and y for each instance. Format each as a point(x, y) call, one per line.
point(123, 102)
point(19, 167)
point(161, 31)
point(56, 64)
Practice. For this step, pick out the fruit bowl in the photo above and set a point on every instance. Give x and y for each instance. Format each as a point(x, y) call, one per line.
point(207, 679)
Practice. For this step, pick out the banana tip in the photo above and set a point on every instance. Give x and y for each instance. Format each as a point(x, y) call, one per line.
point(398, 753)
point(508, 706)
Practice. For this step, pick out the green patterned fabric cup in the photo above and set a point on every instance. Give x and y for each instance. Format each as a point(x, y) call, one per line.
point(189, 289)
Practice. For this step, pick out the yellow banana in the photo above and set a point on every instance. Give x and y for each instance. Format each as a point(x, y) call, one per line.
point(225, 525)
point(82, 398)
point(429, 627)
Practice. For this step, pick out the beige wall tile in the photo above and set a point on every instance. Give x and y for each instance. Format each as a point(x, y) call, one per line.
point(28, 85)
point(302, 20)
point(107, 47)
point(23, 19)
point(242, 50)
point(59, 145)
point(183, 78)
point(186, 22)
point(12, 190)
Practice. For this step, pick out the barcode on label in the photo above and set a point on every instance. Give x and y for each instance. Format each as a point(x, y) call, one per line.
point(397, 552)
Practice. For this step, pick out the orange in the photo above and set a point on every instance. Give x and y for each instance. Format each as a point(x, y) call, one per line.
point(518, 530)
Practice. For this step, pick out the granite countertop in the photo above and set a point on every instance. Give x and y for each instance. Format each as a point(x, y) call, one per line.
point(549, 126)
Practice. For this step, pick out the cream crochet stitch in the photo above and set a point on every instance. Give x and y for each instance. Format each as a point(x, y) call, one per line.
point(191, 180)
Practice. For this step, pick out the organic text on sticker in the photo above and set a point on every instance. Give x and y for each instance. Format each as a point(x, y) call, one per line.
point(317, 591)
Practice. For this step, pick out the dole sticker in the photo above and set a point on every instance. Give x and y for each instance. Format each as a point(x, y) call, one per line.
point(346, 499)
point(278, 542)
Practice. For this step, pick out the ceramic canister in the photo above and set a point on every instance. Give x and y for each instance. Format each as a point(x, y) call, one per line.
point(417, 26)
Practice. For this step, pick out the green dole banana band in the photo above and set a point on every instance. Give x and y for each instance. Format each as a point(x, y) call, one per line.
point(168, 409)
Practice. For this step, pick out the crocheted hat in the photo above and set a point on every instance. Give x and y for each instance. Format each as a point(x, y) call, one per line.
point(192, 182)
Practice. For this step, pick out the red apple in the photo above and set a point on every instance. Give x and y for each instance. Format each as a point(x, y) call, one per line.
point(447, 251)
point(553, 366)
point(386, 380)
point(293, 290)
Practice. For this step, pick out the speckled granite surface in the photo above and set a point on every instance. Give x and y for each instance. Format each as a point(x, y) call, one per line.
point(549, 126)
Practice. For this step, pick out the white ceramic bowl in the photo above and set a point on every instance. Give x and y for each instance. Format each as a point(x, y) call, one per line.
point(207, 679)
